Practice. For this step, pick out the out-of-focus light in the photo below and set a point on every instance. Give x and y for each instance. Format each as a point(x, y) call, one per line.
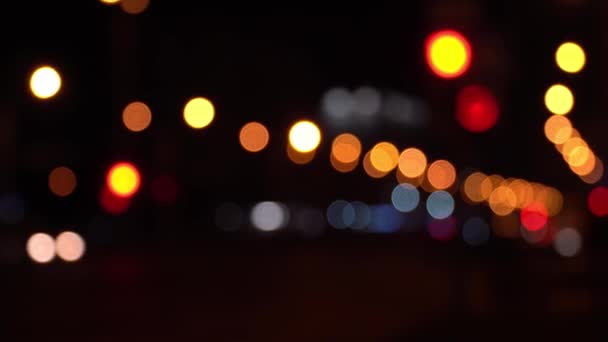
point(113, 204)
point(570, 57)
point(40, 248)
point(254, 137)
point(406, 110)
point(367, 102)
point(598, 201)
point(596, 174)
point(199, 112)
point(475, 231)
point(534, 216)
point(269, 216)
point(441, 174)
point(558, 129)
point(110, 2)
point(340, 214)
point(415, 182)
point(304, 136)
point(363, 215)
point(70, 246)
point(587, 166)
point(338, 103)
point(45, 82)
point(385, 219)
point(123, 179)
point(444, 229)
point(524, 192)
point(476, 108)
point(12, 208)
point(299, 158)
point(370, 169)
point(228, 216)
point(536, 237)
point(568, 242)
point(136, 116)
point(346, 148)
point(412, 162)
point(440, 204)
point(489, 184)
point(559, 99)
point(554, 201)
point(309, 222)
point(506, 226)
point(134, 6)
point(472, 187)
point(164, 189)
point(575, 151)
point(384, 156)
point(448, 53)
point(62, 181)
point(502, 200)
point(405, 197)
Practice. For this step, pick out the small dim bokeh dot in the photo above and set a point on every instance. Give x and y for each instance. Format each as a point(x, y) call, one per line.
point(62, 181)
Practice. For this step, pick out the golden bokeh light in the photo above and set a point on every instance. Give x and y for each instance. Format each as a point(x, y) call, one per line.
point(569, 147)
point(110, 2)
point(502, 201)
point(448, 53)
point(69, 246)
point(570, 57)
point(579, 156)
point(554, 201)
point(587, 167)
point(574, 134)
point(254, 137)
point(199, 112)
point(401, 179)
point(342, 167)
point(412, 162)
point(134, 6)
point(136, 116)
point(441, 174)
point(40, 248)
point(304, 136)
point(558, 129)
point(524, 192)
point(346, 148)
point(369, 168)
point(489, 184)
point(472, 187)
point(45, 82)
point(123, 179)
point(384, 156)
point(559, 99)
point(62, 181)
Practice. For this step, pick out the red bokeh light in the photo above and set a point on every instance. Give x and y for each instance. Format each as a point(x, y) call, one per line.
point(443, 230)
point(113, 204)
point(534, 216)
point(598, 201)
point(476, 108)
point(164, 189)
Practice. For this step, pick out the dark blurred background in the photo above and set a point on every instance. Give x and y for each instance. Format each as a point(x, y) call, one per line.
point(168, 272)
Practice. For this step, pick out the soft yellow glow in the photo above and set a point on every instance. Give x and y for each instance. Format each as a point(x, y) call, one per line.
point(123, 180)
point(62, 181)
point(570, 57)
point(586, 167)
point(41, 248)
point(384, 156)
point(70, 246)
point(502, 201)
point(558, 129)
point(412, 162)
point(559, 99)
point(199, 112)
point(304, 136)
point(449, 54)
point(369, 168)
point(579, 156)
point(441, 174)
point(523, 191)
point(489, 184)
point(45, 82)
point(110, 2)
point(569, 147)
point(254, 137)
point(136, 116)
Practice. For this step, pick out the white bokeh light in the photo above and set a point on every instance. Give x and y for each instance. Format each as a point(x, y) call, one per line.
point(269, 216)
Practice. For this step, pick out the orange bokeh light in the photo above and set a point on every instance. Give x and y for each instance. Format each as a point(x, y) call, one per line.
point(441, 174)
point(254, 137)
point(412, 162)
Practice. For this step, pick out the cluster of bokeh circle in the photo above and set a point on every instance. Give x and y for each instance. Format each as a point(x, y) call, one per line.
point(449, 55)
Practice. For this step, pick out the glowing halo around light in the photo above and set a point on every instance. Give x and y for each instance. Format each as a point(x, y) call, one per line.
point(448, 53)
point(123, 179)
point(304, 136)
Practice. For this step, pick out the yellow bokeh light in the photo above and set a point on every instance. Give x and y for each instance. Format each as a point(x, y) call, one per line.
point(369, 168)
point(448, 53)
point(40, 248)
point(579, 156)
point(570, 145)
point(136, 116)
point(45, 82)
point(304, 136)
point(524, 192)
point(441, 174)
point(570, 57)
point(346, 148)
point(558, 129)
point(412, 162)
point(70, 246)
point(62, 181)
point(586, 167)
point(123, 179)
point(254, 137)
point(502, 200)
point(384, 156)
point(199, 112)
point(134, 6)
point(472, 187)
point(110, 2)
point(559, 99)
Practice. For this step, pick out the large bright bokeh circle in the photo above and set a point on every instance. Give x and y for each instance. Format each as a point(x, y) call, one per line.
point(304, 136)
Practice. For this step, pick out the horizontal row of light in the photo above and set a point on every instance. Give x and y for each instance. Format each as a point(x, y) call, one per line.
point(68, 246)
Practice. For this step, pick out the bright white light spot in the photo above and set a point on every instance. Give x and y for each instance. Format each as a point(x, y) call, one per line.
point(70, 246)
point(41, 248)
point(268, 216)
